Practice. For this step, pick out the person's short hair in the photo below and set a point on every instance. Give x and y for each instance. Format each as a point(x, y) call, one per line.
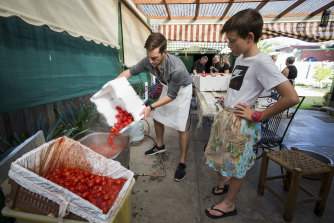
point(290, 60)
point(216, 57)
point(156, 40)
point(273, 56)
point(244, 22)
point(205, 58)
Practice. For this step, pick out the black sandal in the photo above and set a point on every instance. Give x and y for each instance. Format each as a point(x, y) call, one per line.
point(224, 214)
point(225, 189)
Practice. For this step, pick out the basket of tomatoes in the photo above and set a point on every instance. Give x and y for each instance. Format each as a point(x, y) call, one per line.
point(69, 174)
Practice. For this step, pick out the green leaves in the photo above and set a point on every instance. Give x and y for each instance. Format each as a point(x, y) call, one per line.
point(322, 73)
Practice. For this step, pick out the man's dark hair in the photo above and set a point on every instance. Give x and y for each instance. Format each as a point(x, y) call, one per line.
point(154, 41)
point(290, 60)
point(244, 22)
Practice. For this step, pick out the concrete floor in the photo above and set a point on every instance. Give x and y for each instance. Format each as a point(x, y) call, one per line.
point(161, 199)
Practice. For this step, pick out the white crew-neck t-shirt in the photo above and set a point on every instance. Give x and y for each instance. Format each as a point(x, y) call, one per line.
point(250, 76)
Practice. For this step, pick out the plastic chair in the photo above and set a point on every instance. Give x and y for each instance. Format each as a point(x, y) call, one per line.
point(270, 128)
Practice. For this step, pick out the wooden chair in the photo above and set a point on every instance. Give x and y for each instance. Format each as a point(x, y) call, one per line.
point(297, 165)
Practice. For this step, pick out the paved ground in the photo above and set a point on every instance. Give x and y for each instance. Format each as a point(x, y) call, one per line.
point(308, 92)
point(161, 199)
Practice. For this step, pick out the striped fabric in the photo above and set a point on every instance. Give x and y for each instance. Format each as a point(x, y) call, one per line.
point(307, 31)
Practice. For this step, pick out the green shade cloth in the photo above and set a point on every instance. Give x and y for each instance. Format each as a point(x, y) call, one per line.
point(39, 66)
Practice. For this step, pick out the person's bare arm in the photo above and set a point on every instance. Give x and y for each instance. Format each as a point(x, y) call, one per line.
point(288, 99)
point(285, 72)
point(125, 74)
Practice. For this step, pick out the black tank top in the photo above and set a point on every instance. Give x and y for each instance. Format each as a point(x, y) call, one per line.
point(292, 72)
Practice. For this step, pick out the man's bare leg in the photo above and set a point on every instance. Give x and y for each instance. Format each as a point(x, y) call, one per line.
point(159, 133)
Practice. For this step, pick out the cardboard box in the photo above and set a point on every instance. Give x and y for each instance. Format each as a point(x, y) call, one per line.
point(215, 82)
point(118, 92)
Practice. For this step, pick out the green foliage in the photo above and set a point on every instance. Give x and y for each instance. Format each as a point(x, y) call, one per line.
point(309, 101)
point(73, 123)
point(140, 89)
point(264, 46)
point(7, 146)
point(322, 72)
point(325, 98)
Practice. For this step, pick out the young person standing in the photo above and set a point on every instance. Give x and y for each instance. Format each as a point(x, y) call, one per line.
point(236, 129)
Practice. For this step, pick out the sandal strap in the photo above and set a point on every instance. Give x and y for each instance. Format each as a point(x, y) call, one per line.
point(220, 211)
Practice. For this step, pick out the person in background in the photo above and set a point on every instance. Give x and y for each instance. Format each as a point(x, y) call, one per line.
point(290, 71)
point(215, 65)
point(237, 127)
point(224, 66)
point(274, 57)
point(231, 61)
point(199, 65)
point(172, 108)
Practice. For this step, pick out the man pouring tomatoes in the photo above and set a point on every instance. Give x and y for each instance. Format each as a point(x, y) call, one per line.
point(172, 108)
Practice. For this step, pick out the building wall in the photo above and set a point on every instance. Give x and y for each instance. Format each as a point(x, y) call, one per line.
point(320, 55)
point(298, 48)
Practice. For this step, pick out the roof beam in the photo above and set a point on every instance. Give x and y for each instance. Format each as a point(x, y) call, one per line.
point(321, 9)
point(167, 9)
point(197, 9)
point(289, 9)
point(260, 6)
point(227, 9)
point(153, 2)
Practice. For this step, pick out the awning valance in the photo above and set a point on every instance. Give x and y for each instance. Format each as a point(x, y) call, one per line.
point(135, 33)
point(93, 20)
point(307, 31)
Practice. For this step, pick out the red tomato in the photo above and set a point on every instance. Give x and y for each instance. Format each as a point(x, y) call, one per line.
point(86, 173)
point(117, 133)
point(110, 141)
point(90, 183)
point(56, 171)
point(111, 136)
point(105, 210)
point(118, 182)
point(85, 194)
point(112, 130)
point(105, 197)
point(97, 180)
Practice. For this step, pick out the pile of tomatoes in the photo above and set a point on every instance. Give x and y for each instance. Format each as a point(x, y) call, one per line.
point(101, 191)
point(213, 75)
point(123, 119)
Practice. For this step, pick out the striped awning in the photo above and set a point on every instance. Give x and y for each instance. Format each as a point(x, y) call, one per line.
point(307, 31)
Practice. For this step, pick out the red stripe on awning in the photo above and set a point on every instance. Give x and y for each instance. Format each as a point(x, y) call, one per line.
point(308, 31)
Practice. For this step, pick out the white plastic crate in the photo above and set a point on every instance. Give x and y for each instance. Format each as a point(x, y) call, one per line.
point(118, 92)
point(212, 82)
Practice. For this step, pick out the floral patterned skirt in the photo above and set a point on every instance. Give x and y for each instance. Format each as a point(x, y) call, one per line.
point(230, 147)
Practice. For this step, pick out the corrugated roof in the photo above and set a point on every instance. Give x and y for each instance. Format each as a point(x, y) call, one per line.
point(217, 10)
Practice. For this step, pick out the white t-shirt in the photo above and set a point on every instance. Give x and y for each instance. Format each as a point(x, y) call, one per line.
point(250, 76)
